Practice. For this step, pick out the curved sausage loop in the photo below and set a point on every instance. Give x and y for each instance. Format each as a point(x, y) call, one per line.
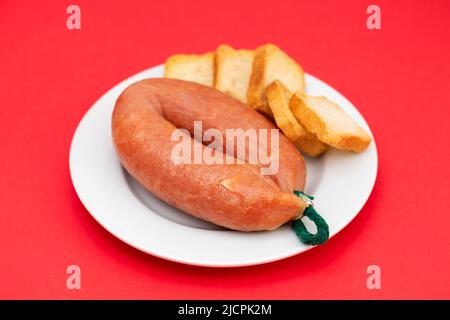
point(235, 196)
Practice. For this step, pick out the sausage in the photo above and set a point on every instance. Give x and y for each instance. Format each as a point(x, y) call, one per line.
point(235, 196)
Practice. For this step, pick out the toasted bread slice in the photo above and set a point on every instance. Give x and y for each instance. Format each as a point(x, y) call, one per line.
point(191, 67)
point(329, 122)
point(270, 64)
point(232, 71)
point(278, 97)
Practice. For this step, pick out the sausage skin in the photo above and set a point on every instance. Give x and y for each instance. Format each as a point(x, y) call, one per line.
point(235, 196)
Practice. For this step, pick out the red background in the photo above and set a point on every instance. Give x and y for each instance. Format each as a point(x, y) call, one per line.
point(398, 77)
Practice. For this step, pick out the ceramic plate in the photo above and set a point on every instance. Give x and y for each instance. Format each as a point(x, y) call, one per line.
point(340, 181)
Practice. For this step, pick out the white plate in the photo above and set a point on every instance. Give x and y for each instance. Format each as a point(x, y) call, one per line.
point(341, 183)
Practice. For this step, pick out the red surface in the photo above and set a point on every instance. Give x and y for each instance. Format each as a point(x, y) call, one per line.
point(398, 77)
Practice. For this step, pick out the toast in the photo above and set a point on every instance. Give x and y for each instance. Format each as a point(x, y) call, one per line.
point(270, 64)
point(329, 123)
point(191, 67)
point(278, 97)
point(232, 71)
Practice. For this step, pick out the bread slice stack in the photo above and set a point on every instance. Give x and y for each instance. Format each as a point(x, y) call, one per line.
point(271, 82)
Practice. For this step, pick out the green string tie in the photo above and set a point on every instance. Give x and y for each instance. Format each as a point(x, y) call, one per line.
point(303, 234)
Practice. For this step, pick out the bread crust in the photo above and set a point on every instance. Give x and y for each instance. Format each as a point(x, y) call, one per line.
point(256, 85)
